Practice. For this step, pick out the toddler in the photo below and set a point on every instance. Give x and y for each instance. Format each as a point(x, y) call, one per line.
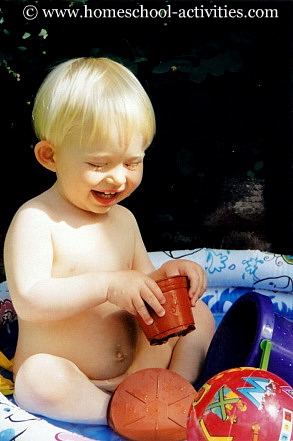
point(76, 266)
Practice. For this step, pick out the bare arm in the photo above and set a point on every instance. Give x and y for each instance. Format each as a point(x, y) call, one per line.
point(28, 257)
point(174, 267)
point(38, 295)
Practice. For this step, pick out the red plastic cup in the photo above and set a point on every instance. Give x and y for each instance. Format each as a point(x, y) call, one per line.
point(178, 319)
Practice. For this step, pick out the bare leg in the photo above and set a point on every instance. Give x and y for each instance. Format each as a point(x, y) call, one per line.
point(190, 351)
point(54, 387)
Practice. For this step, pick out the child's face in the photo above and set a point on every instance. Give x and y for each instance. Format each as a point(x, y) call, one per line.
point(96, 177)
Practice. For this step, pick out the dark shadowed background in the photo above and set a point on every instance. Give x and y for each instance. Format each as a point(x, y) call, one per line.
point(219, 173)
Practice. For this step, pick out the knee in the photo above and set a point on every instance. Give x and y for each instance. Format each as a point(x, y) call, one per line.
point(204, 318)
point(40, 379)
point(205, 327)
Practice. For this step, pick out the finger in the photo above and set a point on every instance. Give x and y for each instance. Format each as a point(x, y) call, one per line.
point(142, 310)
point(198, 286)
point(154, 303)
point(155, 290)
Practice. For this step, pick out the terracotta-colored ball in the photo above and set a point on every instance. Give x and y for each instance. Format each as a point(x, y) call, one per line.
point(242, 404)
point(151, 405)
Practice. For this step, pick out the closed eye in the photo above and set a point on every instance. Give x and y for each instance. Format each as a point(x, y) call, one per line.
point(133, 165)
point(98, 167)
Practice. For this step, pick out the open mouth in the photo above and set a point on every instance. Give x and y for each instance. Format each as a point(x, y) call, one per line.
point(105, 196)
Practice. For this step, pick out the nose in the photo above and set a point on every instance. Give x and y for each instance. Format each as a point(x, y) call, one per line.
point(116, 176)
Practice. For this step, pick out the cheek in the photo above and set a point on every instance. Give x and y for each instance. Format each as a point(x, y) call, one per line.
point(136, 179)
point(91, 177)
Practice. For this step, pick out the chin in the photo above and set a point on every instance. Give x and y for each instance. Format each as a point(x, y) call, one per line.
point(104, 210)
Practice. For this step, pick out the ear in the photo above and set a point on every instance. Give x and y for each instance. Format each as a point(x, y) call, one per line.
point(45, 154)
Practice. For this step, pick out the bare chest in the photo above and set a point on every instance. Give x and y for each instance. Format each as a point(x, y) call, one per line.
point(91, 248)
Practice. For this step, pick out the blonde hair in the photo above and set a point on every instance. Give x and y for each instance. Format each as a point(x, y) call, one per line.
point(86, 99)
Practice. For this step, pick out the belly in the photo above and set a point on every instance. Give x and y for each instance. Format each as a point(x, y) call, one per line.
point(101, 343)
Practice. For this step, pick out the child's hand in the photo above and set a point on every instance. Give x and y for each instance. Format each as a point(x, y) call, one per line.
point(133, 291)
point(181, 267)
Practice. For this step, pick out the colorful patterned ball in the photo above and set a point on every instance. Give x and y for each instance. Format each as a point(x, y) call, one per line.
point(242, 404)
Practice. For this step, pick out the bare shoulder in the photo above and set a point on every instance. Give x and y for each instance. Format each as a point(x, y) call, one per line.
point(124, 214)
point(29, 230)
point(32, 221)
point(33, 210)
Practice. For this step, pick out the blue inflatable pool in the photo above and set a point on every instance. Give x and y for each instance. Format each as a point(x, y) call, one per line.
point(232, 274)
